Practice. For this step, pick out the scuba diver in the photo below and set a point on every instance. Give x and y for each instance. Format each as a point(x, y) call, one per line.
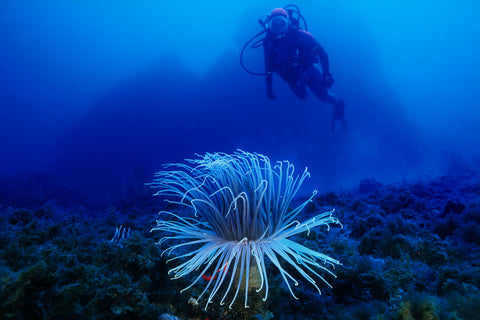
point(297, 57)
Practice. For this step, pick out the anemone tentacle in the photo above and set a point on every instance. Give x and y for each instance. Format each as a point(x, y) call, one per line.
point(239, 215)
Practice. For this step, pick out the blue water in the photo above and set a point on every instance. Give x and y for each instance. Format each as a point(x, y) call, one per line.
point(97, 95)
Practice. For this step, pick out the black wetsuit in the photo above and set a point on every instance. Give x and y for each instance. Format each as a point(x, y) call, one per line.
point(295, 56)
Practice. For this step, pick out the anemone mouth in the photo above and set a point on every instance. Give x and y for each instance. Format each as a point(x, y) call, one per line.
point(238, 216)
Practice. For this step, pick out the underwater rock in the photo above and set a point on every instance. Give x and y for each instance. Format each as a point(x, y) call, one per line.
point(58, 263)
point(368, 185)
point(453, 207)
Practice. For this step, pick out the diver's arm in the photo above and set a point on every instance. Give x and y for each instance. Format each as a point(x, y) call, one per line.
point(327, 74)
point(268, 69)
point(314, 49)
point(322, 55)
point(269, 81)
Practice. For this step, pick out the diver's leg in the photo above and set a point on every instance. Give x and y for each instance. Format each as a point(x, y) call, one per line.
point(316, 84)
point(299, 88)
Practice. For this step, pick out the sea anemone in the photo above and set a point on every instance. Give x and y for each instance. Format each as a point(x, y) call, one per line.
point(238, 213)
